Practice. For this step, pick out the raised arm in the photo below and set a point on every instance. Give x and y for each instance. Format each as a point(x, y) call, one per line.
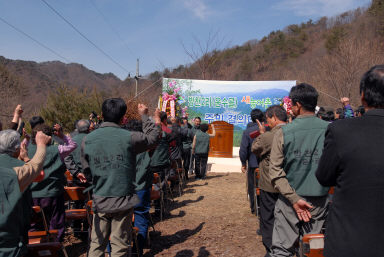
point(213, 131)
point(16, 117)
point(68, 147)
point(276, 171)
point(150, 137)
point(29, 171)
point(193, 144)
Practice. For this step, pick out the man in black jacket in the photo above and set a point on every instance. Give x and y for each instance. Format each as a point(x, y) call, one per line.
point(352, 161)
point(246, 154)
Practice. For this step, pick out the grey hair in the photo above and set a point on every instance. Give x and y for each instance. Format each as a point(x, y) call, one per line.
point(9, 141)
point(82, 126)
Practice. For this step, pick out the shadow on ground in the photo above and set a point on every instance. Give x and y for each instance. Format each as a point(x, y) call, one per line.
point(160, 243)
point(189, 253)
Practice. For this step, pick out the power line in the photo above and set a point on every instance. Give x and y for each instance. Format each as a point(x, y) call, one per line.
point(111, 27)
point(145, 89)
point(86, 38)
point(35, 40)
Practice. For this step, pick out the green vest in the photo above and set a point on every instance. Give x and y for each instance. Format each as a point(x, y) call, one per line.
point(161, 154)
point(9, 162)
point(303, 146)
point(54, 169)
point(76, 153)
point(11, 215)
point(143, 175)
point(111, 160)
point(202, 142)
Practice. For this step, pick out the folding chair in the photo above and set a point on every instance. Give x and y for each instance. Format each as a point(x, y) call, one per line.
point(312, 245)
point(76, 194)
point(48, 249)
point(46, 235)
point(158, 194)
point(176, 179)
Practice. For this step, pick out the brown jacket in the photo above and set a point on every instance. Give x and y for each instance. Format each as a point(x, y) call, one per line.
point(261, 147)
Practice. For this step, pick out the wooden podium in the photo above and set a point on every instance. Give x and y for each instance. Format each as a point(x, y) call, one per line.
point(222, 144)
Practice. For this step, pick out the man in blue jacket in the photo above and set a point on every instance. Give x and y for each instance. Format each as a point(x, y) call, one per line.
point(246, 154)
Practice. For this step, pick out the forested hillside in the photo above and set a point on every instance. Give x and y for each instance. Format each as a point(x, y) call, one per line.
point(330, 53)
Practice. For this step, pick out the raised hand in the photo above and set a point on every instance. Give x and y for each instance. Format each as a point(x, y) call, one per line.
point(344, 101)
point(18, 110)
point(156, 116)
point(25, 134)
point(23, 152)
point(42, 139)
point(58, 131)
point(261, 127)
point(142, 109)
point(82, 178)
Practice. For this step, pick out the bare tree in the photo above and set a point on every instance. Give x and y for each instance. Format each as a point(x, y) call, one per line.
point(340, 71)
point(205, 53)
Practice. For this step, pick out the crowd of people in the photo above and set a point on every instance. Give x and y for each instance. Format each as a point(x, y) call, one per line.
point(299, 155)
point(112, 157)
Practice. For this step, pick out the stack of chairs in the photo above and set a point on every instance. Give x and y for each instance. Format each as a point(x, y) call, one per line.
point(71, 195)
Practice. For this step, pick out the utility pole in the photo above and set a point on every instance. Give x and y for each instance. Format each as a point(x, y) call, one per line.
point(137, 75)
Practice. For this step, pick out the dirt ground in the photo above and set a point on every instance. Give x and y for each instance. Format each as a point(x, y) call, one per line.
point(211, 218)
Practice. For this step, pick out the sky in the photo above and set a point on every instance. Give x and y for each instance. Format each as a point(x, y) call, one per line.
point(120, 31)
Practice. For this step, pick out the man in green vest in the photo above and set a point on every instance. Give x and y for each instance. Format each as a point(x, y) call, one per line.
point(12, 154)
point(14, 181)
point(200, 149)
point(296, 149)
point(49, 193)
point(73, 165)
point(194, 129)
point(109, 152)
point(73, 161)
